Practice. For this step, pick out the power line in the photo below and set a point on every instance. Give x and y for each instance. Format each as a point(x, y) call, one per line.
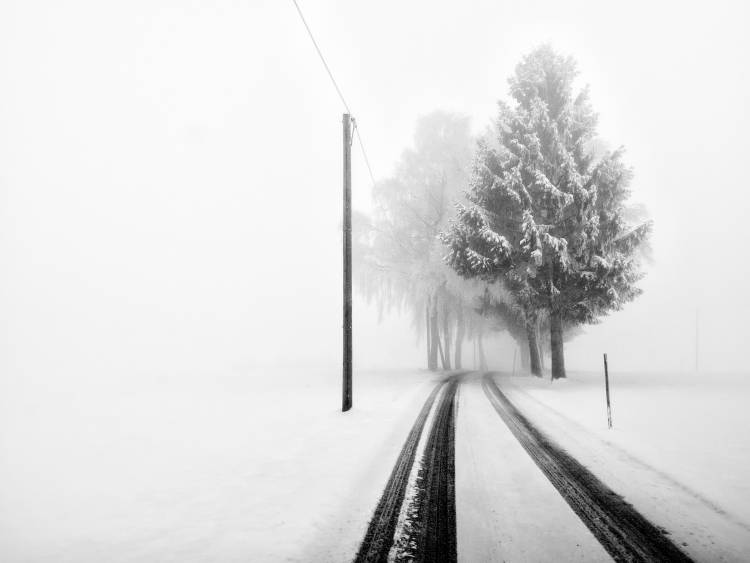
point(322, 58)
point(338, 90)
point(364, 152)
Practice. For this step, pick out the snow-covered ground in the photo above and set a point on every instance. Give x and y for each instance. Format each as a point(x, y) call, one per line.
point(235, 467)
point(262, 465)
point(679, 450)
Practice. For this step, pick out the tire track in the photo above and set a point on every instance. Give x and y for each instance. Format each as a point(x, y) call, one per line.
point(379, 536)
point(621, 529)
point(434, 530)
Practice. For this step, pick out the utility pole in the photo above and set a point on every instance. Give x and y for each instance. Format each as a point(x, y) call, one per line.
point(346, 399)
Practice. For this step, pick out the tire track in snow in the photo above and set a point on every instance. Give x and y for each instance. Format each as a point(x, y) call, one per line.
point(379, 536)
point(434, 528)
point(622, 530)
point(428, 526)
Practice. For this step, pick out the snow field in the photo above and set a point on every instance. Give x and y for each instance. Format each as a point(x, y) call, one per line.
point(263, 466)
point(256, 466)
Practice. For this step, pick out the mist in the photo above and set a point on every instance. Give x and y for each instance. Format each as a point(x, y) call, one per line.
point(171, 238)
point(171, 173)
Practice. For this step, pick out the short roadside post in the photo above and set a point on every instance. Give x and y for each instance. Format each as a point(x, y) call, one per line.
point(606, 386)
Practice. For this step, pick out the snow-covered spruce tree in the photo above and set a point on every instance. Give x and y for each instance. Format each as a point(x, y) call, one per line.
point(546, 214)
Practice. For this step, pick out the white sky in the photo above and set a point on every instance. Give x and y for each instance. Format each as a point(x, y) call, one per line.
point(170, 171)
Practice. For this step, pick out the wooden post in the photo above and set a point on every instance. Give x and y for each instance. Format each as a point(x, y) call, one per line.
point(346, 402)
point(606, 385)
point(515, 349)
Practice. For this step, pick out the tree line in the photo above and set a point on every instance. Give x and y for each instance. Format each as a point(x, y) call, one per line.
point(526, 229)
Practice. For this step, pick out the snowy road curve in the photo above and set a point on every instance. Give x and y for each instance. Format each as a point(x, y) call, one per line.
point(502, 500)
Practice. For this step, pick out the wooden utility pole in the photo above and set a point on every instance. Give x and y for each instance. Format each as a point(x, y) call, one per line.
point(346, 399)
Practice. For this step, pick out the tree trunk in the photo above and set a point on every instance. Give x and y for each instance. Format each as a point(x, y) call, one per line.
point(460, 330)
point(447, 338)
point(521, 344)
point(482, 358)
point(434, 335)
point(556, 346)
point(534, 360)
point(542, 355)
point(543, 342)
point(442, 354)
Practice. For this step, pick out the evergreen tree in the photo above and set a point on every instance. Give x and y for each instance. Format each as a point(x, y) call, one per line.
point(547, 213)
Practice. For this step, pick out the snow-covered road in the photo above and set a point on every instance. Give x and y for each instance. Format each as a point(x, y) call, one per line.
point(505, 492)
point(507, 510)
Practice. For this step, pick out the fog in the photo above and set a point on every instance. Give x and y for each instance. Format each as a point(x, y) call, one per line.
point(170, 173)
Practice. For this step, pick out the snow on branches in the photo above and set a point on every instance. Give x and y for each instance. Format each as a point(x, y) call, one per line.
point(475, 249)
point(547, 213)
